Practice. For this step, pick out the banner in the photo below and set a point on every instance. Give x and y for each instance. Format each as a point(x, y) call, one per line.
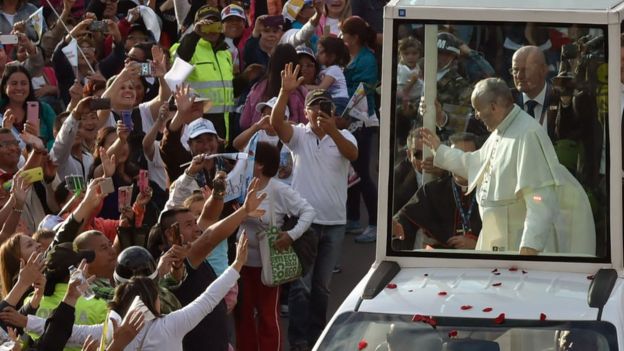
point(357, 108)
point(241, 175)
point(71, 52)
point(37, 21)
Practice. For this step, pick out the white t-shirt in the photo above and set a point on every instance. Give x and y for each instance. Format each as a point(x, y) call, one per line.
point(157, 172)
point(334, 26)
point(405, 74)
point(321, 173)
point(338, 89)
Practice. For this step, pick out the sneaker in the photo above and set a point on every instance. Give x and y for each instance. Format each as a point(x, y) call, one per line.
point(337, 269)
point(353, 227)
point(368, 236)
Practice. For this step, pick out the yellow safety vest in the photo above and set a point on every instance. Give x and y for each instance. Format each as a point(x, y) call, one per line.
point(212, 78)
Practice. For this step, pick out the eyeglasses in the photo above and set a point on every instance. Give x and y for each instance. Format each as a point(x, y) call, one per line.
point(9, 143)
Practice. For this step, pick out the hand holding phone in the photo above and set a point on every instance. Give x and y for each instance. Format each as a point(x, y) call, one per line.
point(326, 107)
point(107, 186)
point(124, 197)
point(98, 26)
point(75, 183)
point(143, 181)
point(126, 118)
point(32, 112)
point(145, 69)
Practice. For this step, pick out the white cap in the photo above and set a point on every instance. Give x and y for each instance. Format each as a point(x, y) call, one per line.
point(201, 126)
point(271, 103)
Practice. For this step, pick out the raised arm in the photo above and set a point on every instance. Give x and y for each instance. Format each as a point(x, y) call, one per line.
point(149, 139)
point(290, 83)
point(159, 68)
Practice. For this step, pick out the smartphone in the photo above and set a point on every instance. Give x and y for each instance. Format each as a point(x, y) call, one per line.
point(98, 26)
point(32, 112)
point(145, 69)
point(8, 39)
point(172, 106)
point(143, 181)
point(100, 104)
point(326, 107)
point(75, 183)
point(107, 186)
point(33, 175)
point(126, 118)
point(124, 197)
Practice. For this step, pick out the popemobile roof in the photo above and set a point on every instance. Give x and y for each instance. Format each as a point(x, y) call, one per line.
point(569, 5)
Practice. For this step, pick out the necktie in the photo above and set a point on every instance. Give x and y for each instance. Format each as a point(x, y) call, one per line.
point(531, 107)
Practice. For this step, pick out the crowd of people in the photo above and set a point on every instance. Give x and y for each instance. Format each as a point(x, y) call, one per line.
point(119, 122)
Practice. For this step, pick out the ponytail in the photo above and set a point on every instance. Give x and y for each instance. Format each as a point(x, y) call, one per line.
point(355, 25)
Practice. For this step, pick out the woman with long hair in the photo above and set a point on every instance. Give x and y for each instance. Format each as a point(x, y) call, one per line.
point(270, 86)
point(336, 12)
point(360, 39)
point(257, 322)
point(15, 91)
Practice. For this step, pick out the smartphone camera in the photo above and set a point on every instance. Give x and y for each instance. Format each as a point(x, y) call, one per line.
point(98, 26)
point(327, 107)
point(145, 69)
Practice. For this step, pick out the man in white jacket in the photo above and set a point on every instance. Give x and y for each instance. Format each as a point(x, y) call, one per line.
point(528, 201)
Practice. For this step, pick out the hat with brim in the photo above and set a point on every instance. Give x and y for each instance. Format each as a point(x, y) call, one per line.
point(304, 50)
point(201, 126)
point(208, 12)
point(233, 10)
point(271, 103)
point(274, 21)
point(316, 96)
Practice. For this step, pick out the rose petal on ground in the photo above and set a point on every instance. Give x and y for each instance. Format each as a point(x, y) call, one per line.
point(497, 284)
point(362, 344)
point(494, 270)
point(542, 317)
point(487, 309)
point(513, 269)
point(442, 293)
point(418, 318)
point(590, 277)
point(466, 307)
point(452, 333)
point(524, 272)
point(391, 286)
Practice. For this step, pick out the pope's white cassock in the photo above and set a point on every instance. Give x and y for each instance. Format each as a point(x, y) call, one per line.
point(526, 197)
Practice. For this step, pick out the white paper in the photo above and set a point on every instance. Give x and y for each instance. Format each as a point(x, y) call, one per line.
point(151, 20)
point(180, 70)
point(71, 52)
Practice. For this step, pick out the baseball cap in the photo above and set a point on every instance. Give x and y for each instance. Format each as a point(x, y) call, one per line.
point(51, 222)
point(448, 42)
point(63, 255)
point(271, 103)
point(233, 10)
point(304, 50)
point(274, 21)
point(207, 11)
point(201, 126)
point(317, 95)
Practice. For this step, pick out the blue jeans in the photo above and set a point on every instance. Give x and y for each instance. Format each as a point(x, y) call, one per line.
point(309, 295)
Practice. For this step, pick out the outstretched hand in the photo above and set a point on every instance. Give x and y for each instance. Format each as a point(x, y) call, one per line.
point(429, 138)
point(253, 199)
point(290, 78)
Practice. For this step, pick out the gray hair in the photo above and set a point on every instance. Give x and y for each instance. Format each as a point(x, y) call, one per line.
point(492, 90)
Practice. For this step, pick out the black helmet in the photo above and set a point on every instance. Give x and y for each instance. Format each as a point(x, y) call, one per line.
point(134, 261)
point(448, 42)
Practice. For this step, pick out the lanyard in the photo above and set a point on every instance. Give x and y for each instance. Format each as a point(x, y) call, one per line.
point(465, 215)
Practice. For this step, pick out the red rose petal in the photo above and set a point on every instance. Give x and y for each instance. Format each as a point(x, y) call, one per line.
point(513, 269)
point(487, 309)
point(426, 275)
point(524, 272)
point(432, 322)
point(496, 273)
point(542, 317)
point(590, 277)
point(466, 307)
point(452, 333)
point(391, 286)
point(362, 344)
point(418, 318)
point(497, 284)
point(500, 319)
point(494, 270)
point(442, 293)
point(410, 290)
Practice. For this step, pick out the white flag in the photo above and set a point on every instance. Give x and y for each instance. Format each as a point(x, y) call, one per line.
point(71, 52)
point(358, 108)
point(37, 21)
point(151, 20)
point(178, 73)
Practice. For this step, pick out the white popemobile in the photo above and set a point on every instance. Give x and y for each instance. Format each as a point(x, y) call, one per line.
point(449, 299)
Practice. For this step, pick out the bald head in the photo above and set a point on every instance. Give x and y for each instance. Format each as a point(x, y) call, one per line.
point(529, 70)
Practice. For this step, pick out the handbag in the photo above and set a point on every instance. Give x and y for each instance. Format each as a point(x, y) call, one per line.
point(277, 267)
point(306, 247)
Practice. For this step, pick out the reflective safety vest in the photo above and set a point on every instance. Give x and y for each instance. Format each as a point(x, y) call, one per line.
point(212, 78)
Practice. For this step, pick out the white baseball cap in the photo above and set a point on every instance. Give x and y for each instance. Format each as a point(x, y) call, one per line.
point(201, 126)
point(271, 103)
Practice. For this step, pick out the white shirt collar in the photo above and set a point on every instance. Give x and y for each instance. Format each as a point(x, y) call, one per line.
point(539, 98)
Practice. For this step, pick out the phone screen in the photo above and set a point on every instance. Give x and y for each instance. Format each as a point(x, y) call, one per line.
point(326, 107)
point(126, 118)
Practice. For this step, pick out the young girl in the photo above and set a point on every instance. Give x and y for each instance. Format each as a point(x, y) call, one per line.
point(333, 55)
point(336, 12)
point(409, 74)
